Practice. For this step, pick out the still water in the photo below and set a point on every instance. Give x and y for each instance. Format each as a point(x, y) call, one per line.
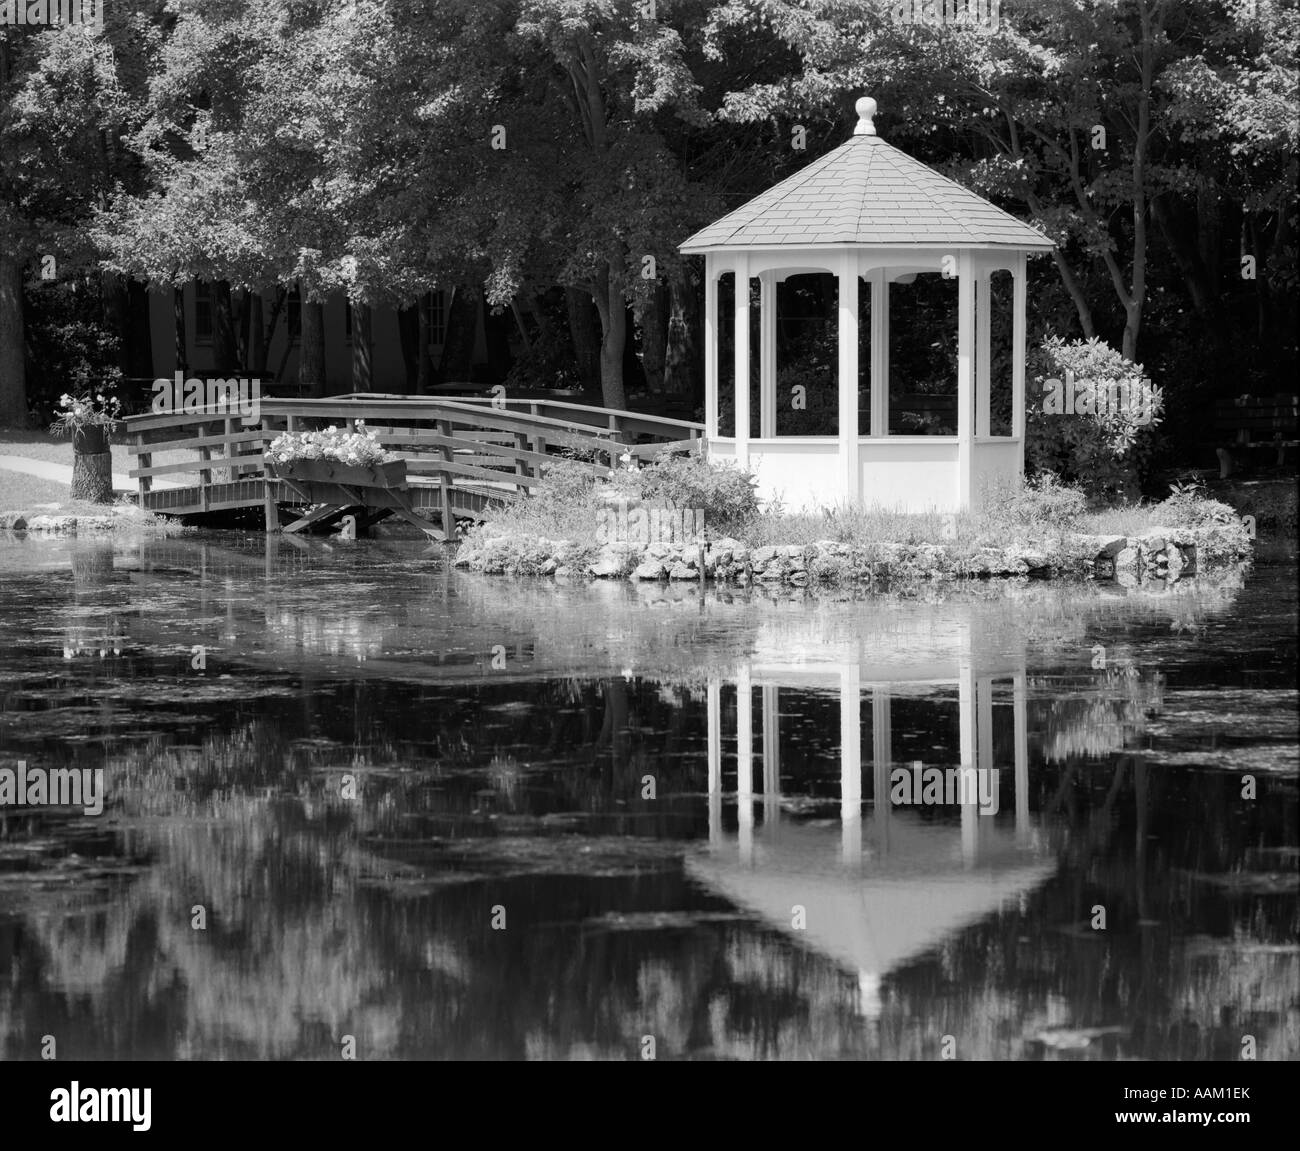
point(351, 793)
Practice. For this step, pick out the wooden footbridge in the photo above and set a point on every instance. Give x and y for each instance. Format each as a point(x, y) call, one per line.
point(462, 457)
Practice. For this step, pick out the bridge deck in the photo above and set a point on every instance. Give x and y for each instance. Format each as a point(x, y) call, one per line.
point(463, 456)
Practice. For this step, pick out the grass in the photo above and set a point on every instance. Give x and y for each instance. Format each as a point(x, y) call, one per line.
point(23, 493)
point(34, 444)
point(1037, 513)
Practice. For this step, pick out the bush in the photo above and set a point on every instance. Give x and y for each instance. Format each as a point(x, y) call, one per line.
point(1106, 452)
point(725, 493)
point(1187, 506)
point(1040, 502)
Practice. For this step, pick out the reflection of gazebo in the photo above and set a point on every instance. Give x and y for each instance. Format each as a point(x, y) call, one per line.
point(867, 211)
point(916, 882)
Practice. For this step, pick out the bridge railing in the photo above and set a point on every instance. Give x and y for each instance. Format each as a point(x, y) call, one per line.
point(502, 446)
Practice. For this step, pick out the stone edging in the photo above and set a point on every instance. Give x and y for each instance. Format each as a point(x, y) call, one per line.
point(61, 524)
point(1159, 553)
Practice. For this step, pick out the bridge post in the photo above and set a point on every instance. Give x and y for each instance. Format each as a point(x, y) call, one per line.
point(521, 465)
point(270, 510)
point(444, 485)
point(205, 474)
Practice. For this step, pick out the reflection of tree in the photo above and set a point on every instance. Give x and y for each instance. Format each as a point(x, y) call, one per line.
point(1096, 717)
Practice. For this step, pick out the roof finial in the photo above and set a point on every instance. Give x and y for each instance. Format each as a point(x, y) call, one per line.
point(866, 109)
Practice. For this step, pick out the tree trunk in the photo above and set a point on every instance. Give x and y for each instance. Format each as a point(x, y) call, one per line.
point(278, 309)
point(225, 354)
point(92, 477)
point(496, 330)
point(178, 323)
point(92, 466)
point(362, 349)
point(408, 339)
point(585, 336)
point(256, 334)
point(425, 376)
point(613, 323)
point(654, 337)
point(141, 328)
point(679, 352)
point(13, 365)
point(462, 327)
point(240, 304)
point(311, 349)
point(113, 300)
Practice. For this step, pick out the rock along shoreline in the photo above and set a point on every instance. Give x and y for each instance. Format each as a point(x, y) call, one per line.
point(122, 517)
point(1158, 553)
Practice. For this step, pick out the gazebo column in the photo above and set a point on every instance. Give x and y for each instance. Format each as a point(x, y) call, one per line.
point(1020, 705)
point(771, 722)
point(714, 694)
point(880, 352)
point(984, 767)
point(965, 378)
point(882, 758)
point(742, 359)
point(966, 726)
point(850, 762)
point(1018, 360)
point(848, 368)
point(745, 763)
point(983, 351)
point(767, 356)
point(710, 347)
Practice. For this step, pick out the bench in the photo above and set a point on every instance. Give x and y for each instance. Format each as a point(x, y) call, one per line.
point(1251, 422)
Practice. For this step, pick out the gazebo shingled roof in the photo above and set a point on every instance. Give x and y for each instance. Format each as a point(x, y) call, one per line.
point(866, 192)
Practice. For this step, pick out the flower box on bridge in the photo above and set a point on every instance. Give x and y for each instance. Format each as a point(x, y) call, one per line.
point(386, 475)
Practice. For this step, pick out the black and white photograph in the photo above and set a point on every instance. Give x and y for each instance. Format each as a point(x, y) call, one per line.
point(649, 531)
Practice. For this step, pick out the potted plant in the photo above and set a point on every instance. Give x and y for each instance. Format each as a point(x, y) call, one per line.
point(336, 456)
point(88, 418)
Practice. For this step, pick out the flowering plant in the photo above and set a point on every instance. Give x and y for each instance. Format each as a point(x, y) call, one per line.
point(358, 448)
point(85, 410)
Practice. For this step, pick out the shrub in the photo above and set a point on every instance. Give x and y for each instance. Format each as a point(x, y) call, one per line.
point(1040, 502)
point(725, 493)
point(1187, 506)
point(1106, 451)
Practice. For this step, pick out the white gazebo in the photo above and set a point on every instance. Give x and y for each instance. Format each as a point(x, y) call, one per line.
point(868, 212)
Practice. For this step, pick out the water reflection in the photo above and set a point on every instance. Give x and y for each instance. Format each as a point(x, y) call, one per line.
point(650, 781)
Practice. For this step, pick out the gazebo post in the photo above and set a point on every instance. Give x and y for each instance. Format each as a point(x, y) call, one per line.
point(710, 347)
point(714, 695)
point(965, 377)
point(767, 355)
point(1018, 360)
point(880, 352)
point(983, 348)
point(1020, 707)
point(742, 359)
point(882, 758)
point(745, 762)
point(966, 727)
point(771, 726)
point(850, 762)
point(848, 369)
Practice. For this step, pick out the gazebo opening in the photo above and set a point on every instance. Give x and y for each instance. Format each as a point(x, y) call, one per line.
point(922, 353)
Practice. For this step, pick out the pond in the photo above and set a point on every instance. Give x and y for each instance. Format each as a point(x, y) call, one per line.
point(354, 797)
